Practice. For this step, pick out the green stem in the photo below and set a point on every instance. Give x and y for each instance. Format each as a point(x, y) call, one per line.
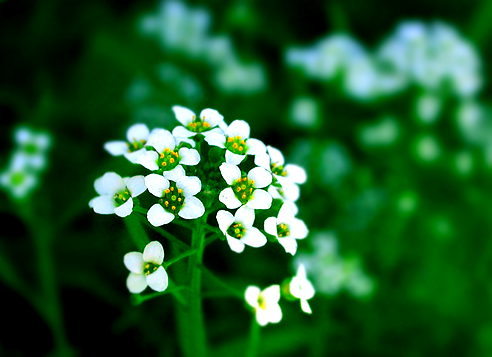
point(179, 257)
point(254, 338)
point(162, 232)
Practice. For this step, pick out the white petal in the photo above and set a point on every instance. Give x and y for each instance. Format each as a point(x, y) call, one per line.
point(158, 280)
point(235, 244)
point(270, 226)
point(296, 173)
point(148, 160)
point(161, 139)
point(246, 216)
point(234, 159)
point(289, 244)
point(260, 199)
point(137, 132)
point(263, 160)
point(298, 229)
point(136, 283)
point(116, 148)
point(158, 216)
point(103, 204)
point(212, 117)
point(271, 294)
point(192, 208)
point(261, 177)
point(189, 156)
point(285, 215)
point(184, 115)
point(255, 147)
point(276, 155)
point(133, 156)
point(224, 219)
point(251, 295)
point(109, 184)
point(125, 209)
point(274, 313)
point(175, 174)
point(136, 185)
point(238, 128)
point(190, 141)
point(228, 198)
point(134, 262)
point(153, 253)
point(215, 139)
point(290, 191)
point(182, 132)
point(254, 238)
point(305, 306)
point(229, 172)
point(156, 184)
point(190, 185)
point(262, 317)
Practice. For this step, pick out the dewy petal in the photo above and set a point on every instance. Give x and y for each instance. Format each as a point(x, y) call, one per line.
point(175, 174)
point(153, 253)
point(298, 229)
point(251, 295)
point(263, 160)
point(260, 199)
point(245, 216)
point(189, 156)
point(109, 184)
point(116, 148)
point(224, 219)
point(238, 128)
point(255, 147)
point(254, 238)
point(137, 132)
point(134, 262)
point(261, 177)
point(182, 132)
point(192, 208)
point(230, 172)
point(212, 116)
point(125, 209)
point(270, 226)
point(285, 215)
point(289, 244)
point(136, 185)
point(276, 155)
point(234, 159)
point(215, 139)
point(158, 216)
point(148, 160)
point(136, 283)
point(156, 184)
point(190, 185)
point(103, 204)
point(296, 173)
point(184, 115)
point(158, 280)
point(228, 198)
point(235, 244)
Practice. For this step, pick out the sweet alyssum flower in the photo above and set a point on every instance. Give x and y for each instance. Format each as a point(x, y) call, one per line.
point(206, 123)
point(116, 193)
point(239, 229)
point(32, 146)
point(265, 303)
point(176, 197)
point(166, 156)
point(137, 136)
point(237, 142)
point(17, 178)
point(301, 288)
point(286, 228)
point(245, 189)
point(146, 269)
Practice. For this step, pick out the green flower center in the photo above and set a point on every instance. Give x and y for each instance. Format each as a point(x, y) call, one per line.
point(122, 197)
point(168, 159)
point(236, 145)
point(149, 268)
point(278, 169)
point(31, 148)
point(236, 230)
point(261, 302)
point(198, 125)
point(17, 178)
point(283, 230)
point(136, 145)
point(243, 189)
point(173, 198)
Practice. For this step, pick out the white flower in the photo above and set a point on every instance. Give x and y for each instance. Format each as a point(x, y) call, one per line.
point(116, 194)
point(301, 288)
point(17, 179)
point(237, 142)
point(176, 197)
point(208, 122)
point(166, 157)
point(33, 146)
point(245, 190)
point(146, 269)
point(137, 136)
point(265, 303)
point(275, 163)
point(239, 229)
point(286, 228)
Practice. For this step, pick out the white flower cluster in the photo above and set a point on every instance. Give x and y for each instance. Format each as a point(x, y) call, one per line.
point(27, 161)
point(432, 56)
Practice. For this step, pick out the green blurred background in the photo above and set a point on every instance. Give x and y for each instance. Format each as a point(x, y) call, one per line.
point(399, 169)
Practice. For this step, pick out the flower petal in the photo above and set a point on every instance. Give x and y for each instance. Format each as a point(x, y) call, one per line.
point(182, 132)
point(212, 116)
point(238, 128)
point(260, 200)
point(109, 184)
point(134, 262)
point(298, 229)
point(136, 185)
point(103, 204)
point(161, 139)
point(235, 244)
point(136, 283)
point(190, 185)
point(251, 295)
point(224, 219)
point(296, 173)
point(116, 148)
point(234, 159)
point(276, 155)
point(156, 184)
point(192, 208)
point(158, 280)
point(149, 160)
point(125, 209)
point(271, 294)
point(255, 147)
point(158, 216)
point(254, 238)
point(133, 156)
point(270, 226)
point(263, 160)
point(228, 198)
point(261, 177)
point(215, 139)
point(189, 156)
point(175, 174)
point(289, 244)
point(230, 172)
point(137, 132)
point(285, 215)
point(153, 253)
point(184, 115)
point(305, 306)
point(246, 216)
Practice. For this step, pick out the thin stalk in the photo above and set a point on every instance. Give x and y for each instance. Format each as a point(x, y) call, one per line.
point(254, 338)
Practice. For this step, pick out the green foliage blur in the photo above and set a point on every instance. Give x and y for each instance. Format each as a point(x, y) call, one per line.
point(398, 192)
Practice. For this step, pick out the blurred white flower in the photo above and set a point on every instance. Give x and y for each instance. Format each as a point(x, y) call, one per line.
point(304, 112)
point(17, 179)
point(137, 136)
point(265, 303)
point(33, 146)
point(301, 288)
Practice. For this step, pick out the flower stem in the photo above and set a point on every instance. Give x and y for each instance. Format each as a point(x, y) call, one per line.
point(254, 338)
